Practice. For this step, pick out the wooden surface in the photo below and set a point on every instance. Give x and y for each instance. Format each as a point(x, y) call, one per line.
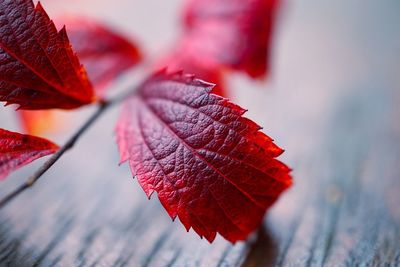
point(333, 102)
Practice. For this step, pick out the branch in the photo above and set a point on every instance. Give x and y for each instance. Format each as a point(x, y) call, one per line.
point(103, 106)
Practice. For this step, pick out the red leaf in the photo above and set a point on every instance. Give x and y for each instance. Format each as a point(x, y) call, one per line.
point(37, 122)
point(17, 150)
point(181, 59)
point(104, 53)
point(105, 59)
point(231, 33)
point(222, 34)
point(210, 166)
point(38, 69)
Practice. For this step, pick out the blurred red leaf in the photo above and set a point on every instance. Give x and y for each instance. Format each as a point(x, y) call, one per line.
point(221, 35)
point(210, 166)
point(17, 150)
point(37, 122)
point(181, 59)
point(104, 53)
point(231, 33)
point(38, 69)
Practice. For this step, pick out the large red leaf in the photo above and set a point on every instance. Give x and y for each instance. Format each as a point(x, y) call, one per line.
point(38, 69)
point(17, 150)
point(104, 53)
point(210, 166)
point(104, 59)
point(231, 33)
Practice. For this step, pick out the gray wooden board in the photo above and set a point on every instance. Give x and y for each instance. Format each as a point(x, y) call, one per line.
point(333, 103)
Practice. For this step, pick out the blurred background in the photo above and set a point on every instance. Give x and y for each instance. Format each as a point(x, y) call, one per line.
point(331, 101)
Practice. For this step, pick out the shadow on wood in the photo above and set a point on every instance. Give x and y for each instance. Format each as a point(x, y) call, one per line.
point(263, 251)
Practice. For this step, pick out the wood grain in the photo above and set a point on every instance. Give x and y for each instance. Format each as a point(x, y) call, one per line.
point(342, 211)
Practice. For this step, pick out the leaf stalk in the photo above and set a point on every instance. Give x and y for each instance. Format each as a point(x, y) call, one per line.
point(102, 108)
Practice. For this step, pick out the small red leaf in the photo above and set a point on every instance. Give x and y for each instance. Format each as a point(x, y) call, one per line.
point(210, 166)
point(38, 69)
point(104, 53)
point(17, 150)
point(231, 33)
point(37, 122)
point(181, 59)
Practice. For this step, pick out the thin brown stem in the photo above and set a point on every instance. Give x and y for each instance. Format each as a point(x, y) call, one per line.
point(103, 106)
